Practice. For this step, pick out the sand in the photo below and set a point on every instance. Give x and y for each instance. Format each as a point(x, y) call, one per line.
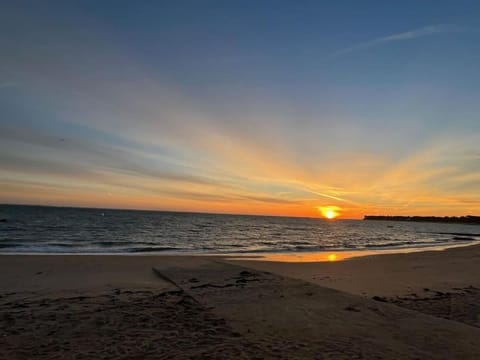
point(386, 275)
point(403, 306)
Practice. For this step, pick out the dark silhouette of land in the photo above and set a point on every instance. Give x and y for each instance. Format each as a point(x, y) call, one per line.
point(468, 219)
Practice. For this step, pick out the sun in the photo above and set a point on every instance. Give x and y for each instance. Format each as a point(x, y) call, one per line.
point(329, 212)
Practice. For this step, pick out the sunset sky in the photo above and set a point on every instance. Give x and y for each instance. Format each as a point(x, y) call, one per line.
point(258, 107)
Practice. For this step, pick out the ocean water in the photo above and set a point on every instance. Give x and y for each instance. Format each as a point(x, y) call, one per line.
point(37, 229)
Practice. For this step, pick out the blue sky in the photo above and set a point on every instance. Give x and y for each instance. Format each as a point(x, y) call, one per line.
point(242, 106)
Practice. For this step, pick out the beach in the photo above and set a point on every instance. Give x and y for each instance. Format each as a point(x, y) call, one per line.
point(405, 306)
point(239, 180)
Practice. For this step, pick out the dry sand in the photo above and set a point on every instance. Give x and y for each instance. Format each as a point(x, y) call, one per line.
point(114, 307)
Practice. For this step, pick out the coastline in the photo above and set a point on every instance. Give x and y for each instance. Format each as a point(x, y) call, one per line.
point(282, 256)
point(342, 254)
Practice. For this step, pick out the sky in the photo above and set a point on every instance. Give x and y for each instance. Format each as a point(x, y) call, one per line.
point(265, 107)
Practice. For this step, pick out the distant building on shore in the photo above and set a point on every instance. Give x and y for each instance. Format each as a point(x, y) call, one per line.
point(468, 219)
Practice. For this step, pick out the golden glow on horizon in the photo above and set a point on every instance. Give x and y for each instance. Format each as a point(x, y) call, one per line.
point(364, 184)
point(329, 212)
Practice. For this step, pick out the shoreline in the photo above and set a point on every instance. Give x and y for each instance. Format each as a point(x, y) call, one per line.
point(340, 255)
point(282, 256)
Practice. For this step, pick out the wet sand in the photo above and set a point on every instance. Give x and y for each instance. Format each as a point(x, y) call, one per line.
point(405, 306)
point(391, 274)
point(441, 283)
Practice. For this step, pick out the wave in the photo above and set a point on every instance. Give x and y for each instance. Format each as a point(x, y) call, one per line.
point(282, 249)
point(457, 233)
point(66, 245)
point(301, 243)
point(154, 249)
point(463, 238)
point(400, 244)
point(8, 245)
point(110, 243)
point(225, 246)
point(415, 244)
point(310, 247)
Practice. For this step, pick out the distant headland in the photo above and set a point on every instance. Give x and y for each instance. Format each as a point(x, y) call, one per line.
point(468, 219)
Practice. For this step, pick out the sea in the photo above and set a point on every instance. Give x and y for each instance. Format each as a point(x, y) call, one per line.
point(47, 230)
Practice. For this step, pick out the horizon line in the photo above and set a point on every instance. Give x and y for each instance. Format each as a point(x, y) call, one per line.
point(173, 211)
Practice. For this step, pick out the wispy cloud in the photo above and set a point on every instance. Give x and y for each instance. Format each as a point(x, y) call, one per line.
point(407, 35)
